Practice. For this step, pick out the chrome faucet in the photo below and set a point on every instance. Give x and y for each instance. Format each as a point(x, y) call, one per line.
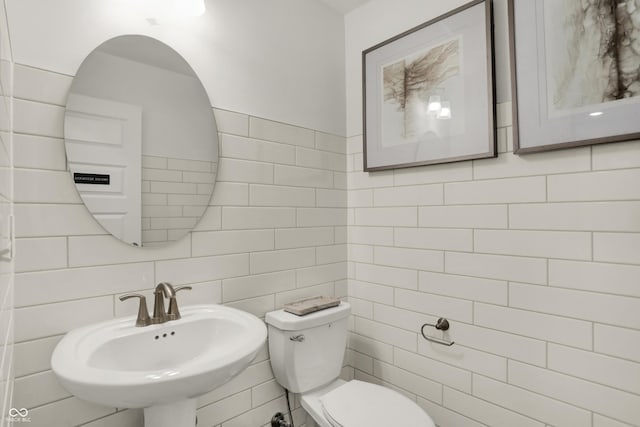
point(174, 313)
point(162, 291)
point(143, 314)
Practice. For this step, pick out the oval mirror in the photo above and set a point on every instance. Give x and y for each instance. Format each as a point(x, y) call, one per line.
point(141, 140)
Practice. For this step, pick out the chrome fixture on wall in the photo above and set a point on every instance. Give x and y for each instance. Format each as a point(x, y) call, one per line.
point(442, 325)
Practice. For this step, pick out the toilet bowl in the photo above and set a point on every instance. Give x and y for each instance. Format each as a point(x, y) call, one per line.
point(358, 404)
point(307, 354)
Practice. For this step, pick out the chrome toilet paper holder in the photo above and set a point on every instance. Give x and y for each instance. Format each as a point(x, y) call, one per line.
point(441, 324)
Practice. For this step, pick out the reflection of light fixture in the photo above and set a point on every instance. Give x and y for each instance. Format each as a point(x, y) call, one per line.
point(189, 7)
point(433, 108)
point(445, 111)
point(596, 113)
point(437, 107)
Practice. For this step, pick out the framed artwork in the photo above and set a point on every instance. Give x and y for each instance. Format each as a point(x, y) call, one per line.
point(428, 93)
point(575, 72)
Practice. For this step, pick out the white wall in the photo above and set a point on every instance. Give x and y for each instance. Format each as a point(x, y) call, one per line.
point(6, 213)
point(277, 59)
point(275, 229)
point(534, 259)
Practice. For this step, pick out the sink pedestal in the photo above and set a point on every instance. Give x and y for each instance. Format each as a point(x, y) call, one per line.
point(178, 414)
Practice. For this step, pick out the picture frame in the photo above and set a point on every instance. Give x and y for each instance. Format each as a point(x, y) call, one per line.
point(428, 93)
point(567, 88)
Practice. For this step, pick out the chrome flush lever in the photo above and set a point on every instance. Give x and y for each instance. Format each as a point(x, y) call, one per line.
point(297, 338)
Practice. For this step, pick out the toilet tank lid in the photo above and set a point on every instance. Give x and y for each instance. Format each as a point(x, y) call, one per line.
point(284, 321)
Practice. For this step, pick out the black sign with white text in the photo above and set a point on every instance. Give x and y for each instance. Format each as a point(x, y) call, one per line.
point(91, 178)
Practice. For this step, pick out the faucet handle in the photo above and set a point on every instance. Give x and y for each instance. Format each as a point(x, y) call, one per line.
point(174, 312)
point(143, 314)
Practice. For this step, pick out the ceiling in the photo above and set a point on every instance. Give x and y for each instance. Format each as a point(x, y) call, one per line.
point(344, 6)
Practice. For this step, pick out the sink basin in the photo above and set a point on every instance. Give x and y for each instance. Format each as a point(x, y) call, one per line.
point(115, 363)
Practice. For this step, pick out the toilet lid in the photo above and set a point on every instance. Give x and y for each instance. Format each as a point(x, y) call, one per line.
point(357, 403)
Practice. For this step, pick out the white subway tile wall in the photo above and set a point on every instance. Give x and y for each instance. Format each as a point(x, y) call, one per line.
point(535, 261)
point(275, 230)
point(175, 194)
point(7, 263)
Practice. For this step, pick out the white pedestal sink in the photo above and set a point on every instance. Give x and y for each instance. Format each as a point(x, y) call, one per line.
point(161, 368)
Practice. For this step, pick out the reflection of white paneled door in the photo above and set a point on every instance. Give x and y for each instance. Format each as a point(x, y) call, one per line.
point(104, 138)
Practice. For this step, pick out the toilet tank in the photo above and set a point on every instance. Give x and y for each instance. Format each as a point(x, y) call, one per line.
point(307, 351)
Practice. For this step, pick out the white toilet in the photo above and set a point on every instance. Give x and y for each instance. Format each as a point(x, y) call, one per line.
point(306, 356)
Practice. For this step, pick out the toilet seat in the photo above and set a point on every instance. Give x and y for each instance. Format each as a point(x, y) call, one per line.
point(357, 403)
